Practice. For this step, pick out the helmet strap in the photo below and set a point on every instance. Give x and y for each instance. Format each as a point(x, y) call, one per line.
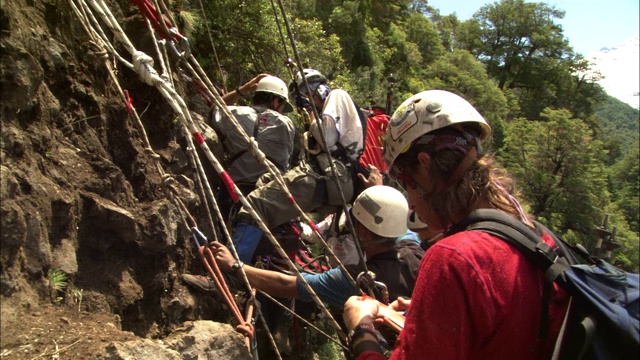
point(462, 167)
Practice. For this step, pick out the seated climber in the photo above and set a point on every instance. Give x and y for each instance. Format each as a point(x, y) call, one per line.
point(335, 230)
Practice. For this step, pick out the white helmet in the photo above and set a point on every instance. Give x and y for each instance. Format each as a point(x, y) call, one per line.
point(274, 85)
point(425, 112)
point(383, 210)
point(414, 223)
point(314, 78)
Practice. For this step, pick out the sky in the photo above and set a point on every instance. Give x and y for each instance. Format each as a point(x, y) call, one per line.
point(590, 25)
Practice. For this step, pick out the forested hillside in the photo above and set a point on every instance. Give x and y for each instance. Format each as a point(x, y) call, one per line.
point(572, 147)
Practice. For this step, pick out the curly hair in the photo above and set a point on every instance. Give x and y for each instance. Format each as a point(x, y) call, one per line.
point(484, 180)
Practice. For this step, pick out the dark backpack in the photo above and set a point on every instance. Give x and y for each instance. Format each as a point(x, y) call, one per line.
point(603, 317)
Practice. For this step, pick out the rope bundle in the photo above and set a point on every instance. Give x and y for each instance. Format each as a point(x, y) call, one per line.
point(143, 65)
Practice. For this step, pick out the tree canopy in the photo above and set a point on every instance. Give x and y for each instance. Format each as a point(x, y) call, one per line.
point(570, 147)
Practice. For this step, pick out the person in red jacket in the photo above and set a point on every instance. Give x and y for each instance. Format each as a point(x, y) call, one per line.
point(476, 297)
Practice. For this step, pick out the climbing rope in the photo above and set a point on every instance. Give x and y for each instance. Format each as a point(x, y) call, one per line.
point(206, 255)
point(168, 182)
point(332, 166)
point(143, 65)
point(215, 53)
point(329, 337)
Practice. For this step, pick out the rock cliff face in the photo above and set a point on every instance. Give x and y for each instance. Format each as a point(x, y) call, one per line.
point(82, 197)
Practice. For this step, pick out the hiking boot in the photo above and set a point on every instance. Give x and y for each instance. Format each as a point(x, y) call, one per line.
point(201, 282)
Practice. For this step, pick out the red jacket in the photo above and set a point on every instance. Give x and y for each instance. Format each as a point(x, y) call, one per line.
point(477, 297)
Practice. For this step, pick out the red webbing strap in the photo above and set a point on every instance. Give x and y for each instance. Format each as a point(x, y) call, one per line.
point(149, 11)
point(229, 184)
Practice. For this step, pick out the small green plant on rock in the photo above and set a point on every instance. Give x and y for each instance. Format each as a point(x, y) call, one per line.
point(57, 284)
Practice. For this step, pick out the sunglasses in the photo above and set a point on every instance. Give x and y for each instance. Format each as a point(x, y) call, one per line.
point(401, 177)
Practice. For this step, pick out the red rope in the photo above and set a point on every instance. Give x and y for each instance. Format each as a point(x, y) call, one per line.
point(200, 89)
point(228, 183)
point(129, 102)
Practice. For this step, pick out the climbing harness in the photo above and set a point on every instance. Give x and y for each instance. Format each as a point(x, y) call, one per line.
point(143, 65)
point(331, 163)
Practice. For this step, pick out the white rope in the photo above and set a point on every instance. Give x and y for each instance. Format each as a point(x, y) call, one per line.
point(143, 65)
point(273, 170)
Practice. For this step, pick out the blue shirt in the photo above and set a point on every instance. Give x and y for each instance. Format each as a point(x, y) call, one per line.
point(334, 288)
point(410, 235)
point(331, 286)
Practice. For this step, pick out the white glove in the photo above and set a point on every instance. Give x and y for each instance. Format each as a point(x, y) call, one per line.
point(308, 234)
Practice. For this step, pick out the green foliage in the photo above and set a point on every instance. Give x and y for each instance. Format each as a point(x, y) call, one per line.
point(57, 284)
point(524, 49)
point(190, 21)
point(559, 167)
point(617, 114)
point(245, 38)
point(77, 295)
point(628, 255)
point(330, 351)
point(424, 35)
point(573, 150)
point(317, 49)
point(509, 35)
point(619, 127)
point(348, 23)
point(460, 72)
point(625, 185)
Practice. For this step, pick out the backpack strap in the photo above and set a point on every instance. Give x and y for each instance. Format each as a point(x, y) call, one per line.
point(516, 233)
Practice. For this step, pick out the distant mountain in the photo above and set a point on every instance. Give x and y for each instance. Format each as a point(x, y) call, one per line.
point(620, 68)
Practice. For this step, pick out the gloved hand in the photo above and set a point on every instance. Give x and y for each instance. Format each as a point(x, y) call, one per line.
point(303, 102)
point(307, 233)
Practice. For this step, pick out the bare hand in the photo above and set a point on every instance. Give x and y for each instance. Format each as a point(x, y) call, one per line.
point(223, 256)
point(375, 177)
point(400, 304)
point(359, 310)
point(252, 84)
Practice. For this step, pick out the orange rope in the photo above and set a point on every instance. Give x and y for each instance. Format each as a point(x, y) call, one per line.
point(245, 327)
